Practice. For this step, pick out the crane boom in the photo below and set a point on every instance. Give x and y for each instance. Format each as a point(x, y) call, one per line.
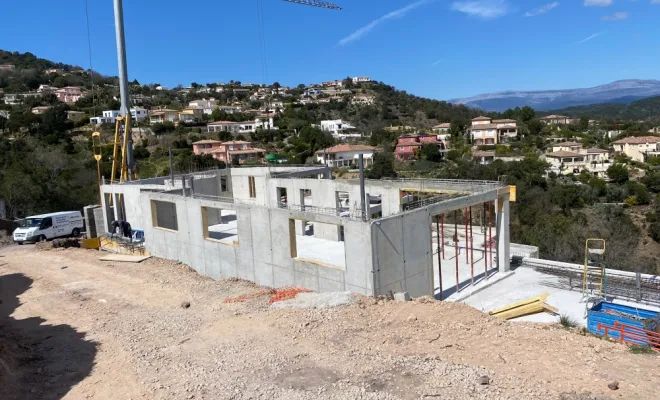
point(316, 3)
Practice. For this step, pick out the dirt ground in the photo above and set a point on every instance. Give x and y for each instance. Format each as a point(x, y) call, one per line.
point(77, 328)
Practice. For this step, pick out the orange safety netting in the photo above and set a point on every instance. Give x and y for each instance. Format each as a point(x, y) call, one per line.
point(286, 294)
point(276, 295)
point(246, 297)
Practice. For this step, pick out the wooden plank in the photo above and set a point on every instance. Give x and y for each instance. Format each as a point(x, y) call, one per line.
point(540, 299)
point(124, 258)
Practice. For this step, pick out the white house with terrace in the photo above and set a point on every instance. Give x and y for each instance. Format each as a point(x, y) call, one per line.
point(571, 158)
point(488, 131)
point(639, 147)
point(345, 155)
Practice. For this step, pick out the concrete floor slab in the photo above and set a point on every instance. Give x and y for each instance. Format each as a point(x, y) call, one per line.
point(526, 283)
point(321, 250)
point(227, 232)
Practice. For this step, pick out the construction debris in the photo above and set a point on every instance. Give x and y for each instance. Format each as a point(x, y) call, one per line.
point(401, 296)
point(526, 307)
point(124, 258)
point(317, 300)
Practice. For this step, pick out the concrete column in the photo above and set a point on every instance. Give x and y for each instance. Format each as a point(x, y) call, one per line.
point(503, 240)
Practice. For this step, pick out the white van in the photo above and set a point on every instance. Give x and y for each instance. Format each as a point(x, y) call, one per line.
point(49, 226)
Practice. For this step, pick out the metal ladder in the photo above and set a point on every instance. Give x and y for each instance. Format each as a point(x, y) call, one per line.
point(593, 278)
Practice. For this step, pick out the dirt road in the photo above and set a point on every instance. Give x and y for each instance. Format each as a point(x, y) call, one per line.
point(74, 327)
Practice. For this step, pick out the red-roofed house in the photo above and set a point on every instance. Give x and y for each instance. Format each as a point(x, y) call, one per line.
point(228, 151)
point(205, 146)
point(407, 146)
point(345, 155)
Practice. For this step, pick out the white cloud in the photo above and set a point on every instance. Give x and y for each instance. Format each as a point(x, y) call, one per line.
point(542, 10)
point(617, 16)
point(371, 25)
point(438, 62)
point(588, 38)
point(485, 9)
point(597, 3)
point(655, 1)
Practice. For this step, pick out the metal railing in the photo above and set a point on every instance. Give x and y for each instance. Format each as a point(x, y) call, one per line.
point(620, 284)
point(355, 215)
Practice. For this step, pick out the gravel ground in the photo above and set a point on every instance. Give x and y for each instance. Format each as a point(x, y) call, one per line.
point(76, 328)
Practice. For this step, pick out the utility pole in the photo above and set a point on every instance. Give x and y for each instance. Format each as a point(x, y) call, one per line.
point(125, 109)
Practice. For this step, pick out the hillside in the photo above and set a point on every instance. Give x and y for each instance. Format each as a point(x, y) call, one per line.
point(623, 92)
point(640, 109)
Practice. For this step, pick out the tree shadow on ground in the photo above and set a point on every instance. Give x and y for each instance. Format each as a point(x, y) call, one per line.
point(37, 360)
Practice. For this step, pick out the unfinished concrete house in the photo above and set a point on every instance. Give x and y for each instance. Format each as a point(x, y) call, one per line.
point(296, 226)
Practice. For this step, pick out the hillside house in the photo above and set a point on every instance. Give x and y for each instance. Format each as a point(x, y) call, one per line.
point(442, 128)
point(486, 131)
point(69, 94)
point(361, 79)
point(164, 115)
point(593, 160)
point(345, 155)
point(483, 157)
point(40, 110)
point(638, 148)
point(336, 126)
point(205, 146)
point(567, 146)
point(237, 151)
point(75, 115)
point(364, 100)
point(559, 120)
point(408, 146)
point(17, 98)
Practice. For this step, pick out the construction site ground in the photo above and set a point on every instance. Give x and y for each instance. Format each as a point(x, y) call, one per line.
point(75, 327)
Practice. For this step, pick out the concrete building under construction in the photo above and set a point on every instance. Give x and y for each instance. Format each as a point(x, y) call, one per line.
point(296, 226)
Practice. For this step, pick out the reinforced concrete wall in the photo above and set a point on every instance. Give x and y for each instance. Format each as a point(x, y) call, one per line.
point(263, 252)
point(402, 254)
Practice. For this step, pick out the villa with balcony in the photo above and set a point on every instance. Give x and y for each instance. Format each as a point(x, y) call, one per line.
point(593, 160)
point(345, 155)
point(487, 131)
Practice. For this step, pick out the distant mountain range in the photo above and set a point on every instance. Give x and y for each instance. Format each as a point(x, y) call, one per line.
point(621, 92)
point(637, 110)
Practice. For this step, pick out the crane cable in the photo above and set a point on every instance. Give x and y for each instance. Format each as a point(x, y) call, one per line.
point(89, 49)
point(262, 40)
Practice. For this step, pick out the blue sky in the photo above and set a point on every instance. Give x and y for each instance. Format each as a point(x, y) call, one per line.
point(435, 48)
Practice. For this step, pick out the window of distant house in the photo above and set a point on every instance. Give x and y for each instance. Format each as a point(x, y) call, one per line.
point(253, 188)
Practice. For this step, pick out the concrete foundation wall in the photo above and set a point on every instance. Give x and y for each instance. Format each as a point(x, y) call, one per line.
point(263, 253)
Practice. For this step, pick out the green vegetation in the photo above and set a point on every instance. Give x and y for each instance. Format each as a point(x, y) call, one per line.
point(46, 162)
point(637, 110)
point(567, 321)
point(642, 350)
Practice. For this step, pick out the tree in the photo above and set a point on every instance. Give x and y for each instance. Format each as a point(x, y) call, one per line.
point(224, 136)
point(527, 114)
point(583, 124)
point(618, 173)
point(382, 167)
point(430, 152)
point(652, 181)
point(3, 123)
point(55, 120)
